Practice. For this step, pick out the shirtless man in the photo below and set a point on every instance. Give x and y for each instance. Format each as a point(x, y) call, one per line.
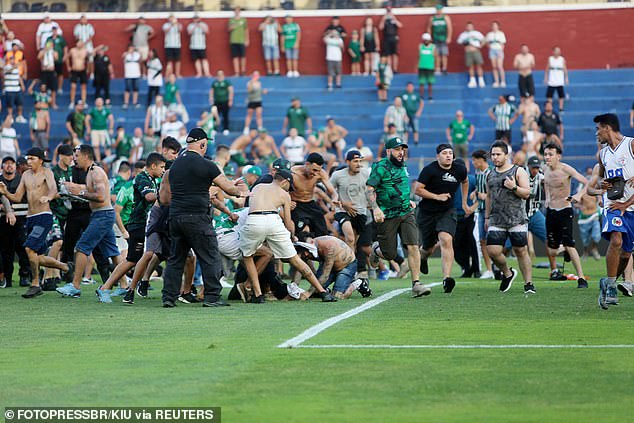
point(263, 149)
point(305, 211)
point(38, 183)
point(238, 147)
point(335, 136)
point(337, 262)
point(589, 219)
point(76, 64)
point(559, 213)
point(40, 134)
point(264, 223)
point(524, 62)
point(99, 233)
point(529, 111)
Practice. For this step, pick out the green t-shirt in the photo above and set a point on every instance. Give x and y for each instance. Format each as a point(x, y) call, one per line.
point(222, 221)
point(382, 68)
point(460, 131)
point(297, 119)
point(143, 184)
point(40, 97)
point(290, 31)
point(391, 184)
point(170, 93)
point(125, 198)
point(99, 118)
point(439, 28)
point(125, 146)
point(58, 207)
point(58, 45)
point(411, 101)
point(221, 91)
point(238, 33)
point(117, 184)
point(149, 143)
point(426, 59)
point(355, 46)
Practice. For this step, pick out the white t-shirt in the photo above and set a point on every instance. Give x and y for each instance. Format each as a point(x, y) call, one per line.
point(556, 71)
point(473, 38)
point(172, 129)
point(496, 40)
point(154, 66)
point(45, 31)
point(7, 144)
point(132, 65)
point(334, 47)
point(295, 149)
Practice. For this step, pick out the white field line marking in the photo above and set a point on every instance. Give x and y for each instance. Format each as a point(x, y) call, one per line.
point(468, 347)
point(320, 327)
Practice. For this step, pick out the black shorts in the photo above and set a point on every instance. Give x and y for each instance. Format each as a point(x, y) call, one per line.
point(12, 99)
point(551, 90)
point(559, 228)
point(387, 231)
point(430, 224)
point(518, 235)
point(172, 53)
point(238, 50)
point(254, 104)
point(503, 134)
point(50, 79)
point(309, 215)
point(78, 76)
point(59, 68)
point(390, 47)
point(198, 54)
point(136, 244)
point(360, 226)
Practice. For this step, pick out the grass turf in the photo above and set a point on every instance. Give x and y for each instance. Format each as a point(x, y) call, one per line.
point(77, 352)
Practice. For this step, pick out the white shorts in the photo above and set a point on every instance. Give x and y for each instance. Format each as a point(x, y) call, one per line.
point(122, 244)
point(270, 228)
point(229, 244)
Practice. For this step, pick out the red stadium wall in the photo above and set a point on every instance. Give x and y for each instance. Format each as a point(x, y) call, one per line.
point(588, 38)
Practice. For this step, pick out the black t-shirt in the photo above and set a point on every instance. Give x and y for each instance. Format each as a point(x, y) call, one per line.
point(548, 124)
point(390, 30)
point(101, 66)
point(79, 177)
point(190, 177)
point(340, 29)
point(441, 181)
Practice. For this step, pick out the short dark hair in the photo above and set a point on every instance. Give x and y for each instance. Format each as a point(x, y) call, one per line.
point(303, 236)
point(608, 119)
point(86, 150)
point(154, 158)
point(140, 164)
point(315, 158)
point(479, 154)
point(124, 166)
point(500, 144)
point(221, 147)
point(171, 143)
point(553, 146)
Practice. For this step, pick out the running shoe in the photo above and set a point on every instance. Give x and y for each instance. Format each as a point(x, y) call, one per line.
point(32, 292)
point(103, 295)
point(603, 293)
point(625, 288)
point(448, 284)
point(69, 290)
point(582, 283)
point(529, 288)
point(128, 298)
point(507, 281)
point(142, 288)
point(420, 290)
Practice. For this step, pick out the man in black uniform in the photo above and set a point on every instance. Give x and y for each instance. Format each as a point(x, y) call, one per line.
point(190, 221)
point(437, 184)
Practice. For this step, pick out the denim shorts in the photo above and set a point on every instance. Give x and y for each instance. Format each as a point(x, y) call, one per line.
point(99, 235)
point(271, 52)
point(495, 54)
point(590, 231)
point(292, 53)
point(37, 229)
point(342, 279)
point(537, 225)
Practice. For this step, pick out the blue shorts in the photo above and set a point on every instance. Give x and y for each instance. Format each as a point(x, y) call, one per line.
point(537, 225)
point(614, 222)
point(99, 235)
point(342, 278)
point(481, 231)
point(37, 229)
point(292, 53)
point(271, 52)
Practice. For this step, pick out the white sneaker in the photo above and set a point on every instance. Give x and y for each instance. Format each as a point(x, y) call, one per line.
point(296, 74)
point(20, 119)
point(481, 82)
point(289, 74)
point(495, 85)
point(503, 84)
point(294, 290)
point(245, 131)
point(225, 132)
point(487, 275)
point(71, 106)
point(472, 83)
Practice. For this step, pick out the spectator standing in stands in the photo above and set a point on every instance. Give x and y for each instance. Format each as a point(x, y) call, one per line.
point(556, 76)
point(390, 25)
point(366, 154)
point(76, 63)
point(61, 48)
point(413, 104)
point(334, 57)
point(384, 77)
point(426, 65)
point(441, 30)
point(155, 116)
point(9, 146)
point(198, 31)
point(524, 62)
point(270, 30)
point(173, 100)
point(239, 41)
point(335, 24)
point(99, 127)
point(132, 74)
point(45, 31)
point(354, 50)
point(18, 54)
point(154, 76)
point(496, 40)
point(336, 136)
point(84, 32)
point(221, 95)
point(370, 46)
point(40, 127)
point(104, 71)
point(397, 115)
point(459, 133)
point(142, 33)
point(472, 42)
point(76, 123)
point(297, 117)
point(294, 147)
point(47, 57)
point(291, 37)
point(13, 88)
point(172, 29)
point(550, 126)
point(503, 114)
point(254, 102)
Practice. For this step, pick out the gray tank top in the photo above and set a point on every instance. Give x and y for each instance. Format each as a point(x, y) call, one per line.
point(507, 209)
point(254, 95)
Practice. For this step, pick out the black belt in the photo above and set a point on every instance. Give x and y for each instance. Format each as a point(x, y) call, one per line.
point(264, 212)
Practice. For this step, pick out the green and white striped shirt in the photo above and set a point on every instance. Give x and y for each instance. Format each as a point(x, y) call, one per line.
point(503, 114)
point(197, 35)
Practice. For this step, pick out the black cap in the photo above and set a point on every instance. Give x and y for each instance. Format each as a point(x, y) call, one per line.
point(442, 147)
point(353, 154)
point(196, 134)
point(534, 162)
point(65, 150)
point(286, 174)
point(8, 159)
point(280, 163)
point(21, 161)
point(37, 152)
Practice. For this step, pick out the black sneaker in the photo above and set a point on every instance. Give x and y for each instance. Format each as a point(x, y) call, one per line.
point(529, 288)
point(507, 281)
point(68, 275)
point(128, 298)
point(582, 283)
point(257, 299)
point(169, 304)
point(217, 303)
point(326, 297)
point(141, 288)
point(556, 275)
point(32, 292)
point(25, 281)
point(49, 285)
point(364, 289)
point(188, 298)
point(448, 285)
point(424, 267)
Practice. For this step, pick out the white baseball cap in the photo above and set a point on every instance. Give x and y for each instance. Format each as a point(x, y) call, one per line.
point(426, 37)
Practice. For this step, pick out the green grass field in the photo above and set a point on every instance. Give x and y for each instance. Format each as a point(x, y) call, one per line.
point(76, 352)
